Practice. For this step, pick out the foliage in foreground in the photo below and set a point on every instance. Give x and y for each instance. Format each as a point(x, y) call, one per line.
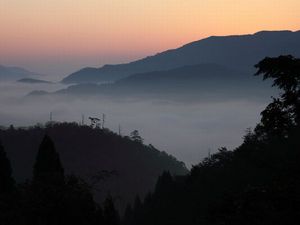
point(51, 197)
point(257, 183)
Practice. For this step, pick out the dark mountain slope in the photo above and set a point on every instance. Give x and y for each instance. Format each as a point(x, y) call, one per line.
point(240, 52)
point(183, 83)
point(86, 151)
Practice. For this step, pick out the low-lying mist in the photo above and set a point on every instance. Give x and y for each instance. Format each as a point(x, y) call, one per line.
point(188, 130)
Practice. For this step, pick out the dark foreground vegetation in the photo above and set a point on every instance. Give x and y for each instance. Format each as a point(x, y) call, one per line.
point(257, 183)
point(50, 197)
point(114, 164)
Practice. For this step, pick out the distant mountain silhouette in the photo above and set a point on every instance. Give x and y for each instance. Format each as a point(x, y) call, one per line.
point(239, 51)
point(192, 82)
point(87, 151)
point(14, 73)
point(33, 81)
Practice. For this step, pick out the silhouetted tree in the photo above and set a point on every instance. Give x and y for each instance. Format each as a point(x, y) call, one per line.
point(46, 193)
point(138, 216)
point(135, 136)
point(78, 205)
point(99, 218)
point(283, 114)
point(55, 199)
point(164, 183)
point(111, 215)
point(7, 187)
point(276, 121)
point(137, 203)
point(48, 168)
point(6, 180)
point(128, 216)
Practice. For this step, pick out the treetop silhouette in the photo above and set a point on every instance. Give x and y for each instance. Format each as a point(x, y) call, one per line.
point(6, 180)
point(48, 168)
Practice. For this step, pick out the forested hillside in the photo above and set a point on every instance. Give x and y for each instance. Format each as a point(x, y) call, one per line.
point(129, 166)
point(256, 183)
point(50, 196)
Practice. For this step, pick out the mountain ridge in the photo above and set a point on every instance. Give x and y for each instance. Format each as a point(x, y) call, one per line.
point(187, 83)
point(14, 73)
point(225, 50)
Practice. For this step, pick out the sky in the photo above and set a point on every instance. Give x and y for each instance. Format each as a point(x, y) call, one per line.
point(58, 37)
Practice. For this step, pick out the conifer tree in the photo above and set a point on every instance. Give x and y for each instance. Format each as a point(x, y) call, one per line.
point(7, 200)
point(138, 210)
point(6, 180)
point(135, 136)
point(111, 215)
point(48, 168)
point(164, 183)
point(99, 215)
point(128, 215)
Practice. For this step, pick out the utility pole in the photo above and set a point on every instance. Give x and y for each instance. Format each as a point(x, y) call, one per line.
point(82, 119)
point(120, 130)
point(209, 153)
point(103, 120)
point(50, 116)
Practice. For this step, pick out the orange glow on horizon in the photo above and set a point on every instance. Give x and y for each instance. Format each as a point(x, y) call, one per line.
point(75, 28)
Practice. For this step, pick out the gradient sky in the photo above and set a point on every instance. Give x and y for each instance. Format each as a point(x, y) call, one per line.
point(60, 36)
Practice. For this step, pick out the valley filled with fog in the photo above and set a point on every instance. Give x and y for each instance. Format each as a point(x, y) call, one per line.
point(149, 112)
point(187, 101)
point(187, 130)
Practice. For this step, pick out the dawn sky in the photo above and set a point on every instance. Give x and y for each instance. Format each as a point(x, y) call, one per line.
point(60, 36)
